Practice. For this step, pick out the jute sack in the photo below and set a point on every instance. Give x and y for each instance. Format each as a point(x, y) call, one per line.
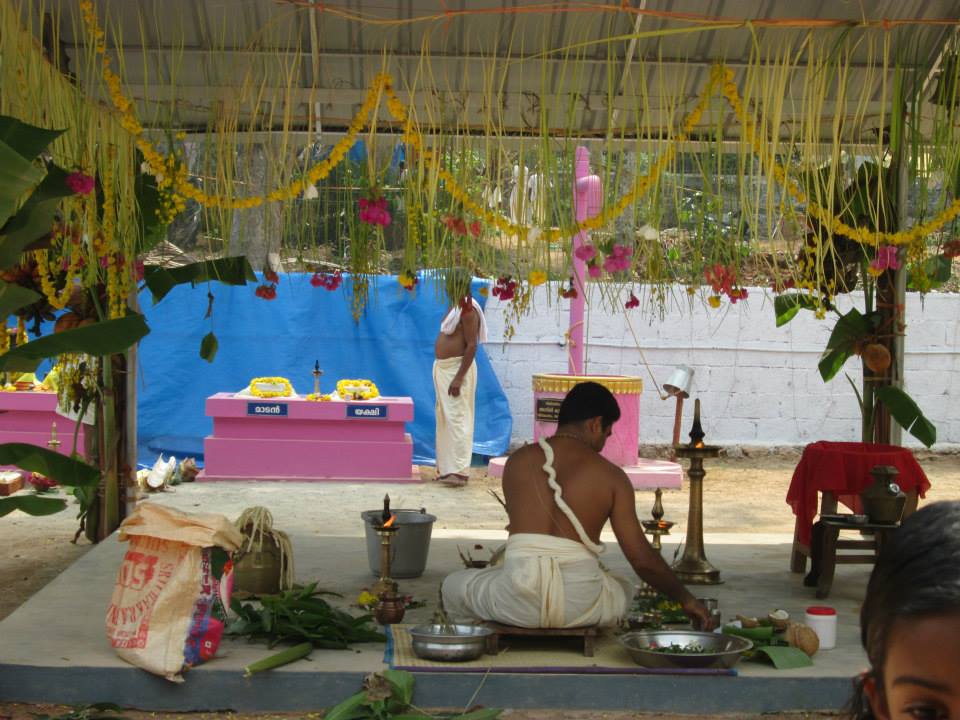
point(169, 602)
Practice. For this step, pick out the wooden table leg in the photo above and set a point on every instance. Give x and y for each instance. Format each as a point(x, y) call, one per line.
point(828, 560)
point(588, 645)
point(798, 558)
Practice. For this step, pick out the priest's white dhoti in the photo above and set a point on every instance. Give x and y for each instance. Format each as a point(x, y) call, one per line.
point(455, 417)
point(544, 582)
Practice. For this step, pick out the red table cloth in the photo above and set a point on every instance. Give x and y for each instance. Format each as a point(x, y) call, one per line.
point(843, 468)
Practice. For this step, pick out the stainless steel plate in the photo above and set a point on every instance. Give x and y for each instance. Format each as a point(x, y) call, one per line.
point(719, 651)
point(449, 643)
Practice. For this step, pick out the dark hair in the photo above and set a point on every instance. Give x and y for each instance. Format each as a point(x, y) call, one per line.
point(588, 400)
point(916, 574)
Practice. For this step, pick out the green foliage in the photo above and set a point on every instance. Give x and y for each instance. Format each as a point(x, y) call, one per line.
point(388, 695)
point(298, 616)
point(907, 413)
point(234, 270)
point(786, 306)
point(102, 338)
point(850, 329)
point(65, 470)
point(209, 347)
point(13, 297)
point(31, 504)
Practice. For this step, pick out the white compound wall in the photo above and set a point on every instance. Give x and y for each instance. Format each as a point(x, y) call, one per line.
point(758, 384)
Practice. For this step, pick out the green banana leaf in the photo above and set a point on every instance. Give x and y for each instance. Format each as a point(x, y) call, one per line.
point(907, 413)
point(32, 504)
point(31, 225)
point(762, 634)
point(28, 140)
point(234, 270)
point(17, 175)
point(849, 329)
point(402, 683)
point(786, 306)
point(102, 338)
point(783, 657)
point(152, 228)
point(13, 297)
point(65, 470)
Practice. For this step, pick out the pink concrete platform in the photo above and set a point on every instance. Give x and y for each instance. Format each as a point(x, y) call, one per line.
point(26, 417)
point(296, 439)
point(645, 475)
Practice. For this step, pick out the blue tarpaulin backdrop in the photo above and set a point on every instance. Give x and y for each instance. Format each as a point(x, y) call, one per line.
point(392, 345)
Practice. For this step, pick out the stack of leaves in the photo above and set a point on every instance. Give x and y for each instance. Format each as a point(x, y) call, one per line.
point(769, 644)
point(389, 696)
point(299, 616)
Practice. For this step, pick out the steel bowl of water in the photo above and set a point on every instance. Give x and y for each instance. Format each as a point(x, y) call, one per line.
point(684, 649)
point(449, 643)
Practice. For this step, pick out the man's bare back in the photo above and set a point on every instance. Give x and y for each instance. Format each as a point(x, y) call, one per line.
point(587, 479)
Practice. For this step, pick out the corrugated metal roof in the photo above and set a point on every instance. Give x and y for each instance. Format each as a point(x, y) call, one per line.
point(186, 57)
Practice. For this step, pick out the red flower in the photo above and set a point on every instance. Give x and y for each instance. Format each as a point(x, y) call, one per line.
point(475, 228)
point(329, 281)
point(505, 288)
point(267, 292)
point(951, 249)
point(632, 302)
point(271, 276)
point(80, 183)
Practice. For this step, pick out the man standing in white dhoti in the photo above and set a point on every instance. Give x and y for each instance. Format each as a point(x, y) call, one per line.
point(559, 494)
point(455, 380)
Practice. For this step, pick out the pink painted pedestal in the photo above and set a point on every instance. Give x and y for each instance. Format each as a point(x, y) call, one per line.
point(26, 417)
point(296, 439)
point(622, 446)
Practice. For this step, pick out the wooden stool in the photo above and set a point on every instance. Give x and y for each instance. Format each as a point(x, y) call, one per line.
point(825, 546)
point(589, 634)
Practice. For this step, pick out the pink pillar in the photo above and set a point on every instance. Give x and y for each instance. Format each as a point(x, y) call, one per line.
point(587, 201)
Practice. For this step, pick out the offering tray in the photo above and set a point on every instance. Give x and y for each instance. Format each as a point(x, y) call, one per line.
point(718, 651)
point(449, 643)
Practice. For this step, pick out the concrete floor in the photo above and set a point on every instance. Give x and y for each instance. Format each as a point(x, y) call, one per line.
point(54, 649)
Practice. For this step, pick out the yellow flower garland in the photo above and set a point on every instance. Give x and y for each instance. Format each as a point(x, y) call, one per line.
point(319, 397)
point(346, 390)
point(171, 173)
point(287, 390)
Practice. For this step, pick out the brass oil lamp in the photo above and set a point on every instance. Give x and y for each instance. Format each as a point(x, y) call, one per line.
point(387, 531)
point(693, 567)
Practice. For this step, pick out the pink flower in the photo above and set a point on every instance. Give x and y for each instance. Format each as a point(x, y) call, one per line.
point(585, 252)
point(594, 271)
point(632, 302)
point(80, 183)
point(885, 258)
point(475, 228)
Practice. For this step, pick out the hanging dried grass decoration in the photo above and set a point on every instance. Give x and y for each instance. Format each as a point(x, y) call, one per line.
point(256, 526)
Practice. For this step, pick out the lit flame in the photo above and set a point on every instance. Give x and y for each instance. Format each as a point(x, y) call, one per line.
point(661, 524)
point(389, 523)
point(699, 444)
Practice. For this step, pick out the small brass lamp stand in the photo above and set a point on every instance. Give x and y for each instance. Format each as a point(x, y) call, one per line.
point(387, 531)
point(317, 372)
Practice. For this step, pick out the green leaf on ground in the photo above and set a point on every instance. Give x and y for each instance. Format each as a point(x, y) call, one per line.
point(65, 470)
point(102, 338)
point(32, 504)
point(784, 658)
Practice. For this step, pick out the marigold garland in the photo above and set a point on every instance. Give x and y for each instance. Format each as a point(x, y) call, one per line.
point(172, 174)
point(347, 390)
point(286, 389)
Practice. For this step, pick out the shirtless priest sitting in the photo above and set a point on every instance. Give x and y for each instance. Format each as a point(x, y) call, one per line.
point(559, 493)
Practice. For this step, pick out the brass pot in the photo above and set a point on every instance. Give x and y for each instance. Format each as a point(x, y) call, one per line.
point(883, 501)
point(390, 609)
point(259, 570)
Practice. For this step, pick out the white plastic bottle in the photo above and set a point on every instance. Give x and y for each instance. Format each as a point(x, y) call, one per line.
point(823, 621)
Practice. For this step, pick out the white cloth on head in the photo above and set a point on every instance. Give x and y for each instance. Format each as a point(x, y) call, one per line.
point(455, 416)
point(545, 581)
point(450, 322)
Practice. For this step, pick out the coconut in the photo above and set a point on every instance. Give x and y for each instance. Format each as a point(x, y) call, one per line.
point(802, 636)
point(876, 357)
